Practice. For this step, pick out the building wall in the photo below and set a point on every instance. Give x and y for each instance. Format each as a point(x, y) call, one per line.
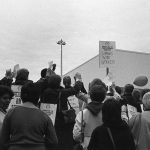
point(128, 66)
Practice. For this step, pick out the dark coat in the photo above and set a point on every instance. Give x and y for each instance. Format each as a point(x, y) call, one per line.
point(129, 99)
point(42, 84)
point(63, 131)
point(122, 137)
point(27, 129)
point(22, 82)
point(5, 81)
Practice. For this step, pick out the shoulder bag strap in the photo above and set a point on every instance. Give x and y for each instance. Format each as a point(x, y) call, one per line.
point(112, 140)
point(82, 127)
point(69, 104)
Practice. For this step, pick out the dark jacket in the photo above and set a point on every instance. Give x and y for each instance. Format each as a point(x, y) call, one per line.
point(21, 82)
point(63, 131)
point(52, 96)
point(122, 137)
point(5, 81)
point(27, 128)
point(129, 99)
point(42, 84)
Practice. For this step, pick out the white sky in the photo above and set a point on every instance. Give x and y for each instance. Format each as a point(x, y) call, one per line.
point(29, 30)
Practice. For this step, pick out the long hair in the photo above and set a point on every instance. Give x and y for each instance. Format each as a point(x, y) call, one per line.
point(111, 112)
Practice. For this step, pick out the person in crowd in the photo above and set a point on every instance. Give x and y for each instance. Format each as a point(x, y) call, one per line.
point(69, 134)
point(8, 79)
point(140, 125)
point(92, 115)
point(144, 91)
point(78, 77)
point(43, 75)
point(118, 90)
point(26, 127)
point(67, 82)
point(127, 97)
point(137, 96)
point(97, 81)
point(55, 94)
point(112, 91)
point(6, 95)
point(22, 77)
point(121, 134)
point(86, 97)
point(42, 82)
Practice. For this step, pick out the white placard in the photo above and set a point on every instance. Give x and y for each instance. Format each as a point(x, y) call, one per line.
point(107, 53)
point(50, 110)
point(132, 111)
point(16, 100)
point(74, 102)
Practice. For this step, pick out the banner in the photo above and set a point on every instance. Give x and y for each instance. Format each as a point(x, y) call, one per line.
point(74, 102)
point(50, 110)
point(107, 53)
point(16, 100)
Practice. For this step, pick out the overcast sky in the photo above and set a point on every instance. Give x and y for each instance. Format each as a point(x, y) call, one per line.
point(29, 30)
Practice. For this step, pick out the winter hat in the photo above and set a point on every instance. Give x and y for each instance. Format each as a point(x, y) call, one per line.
point(146, 101)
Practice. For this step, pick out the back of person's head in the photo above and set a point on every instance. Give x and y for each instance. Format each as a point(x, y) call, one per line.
point(43, 72)
point(6, 90)
point(97, 93)
point(30, 93)
point(111, 111)
point(146, 101)
point(136, 94)
point(54, 81)
point(128, 89)
point(144, 91)
point(22, 74)
point(67, 81)
point(96, 81)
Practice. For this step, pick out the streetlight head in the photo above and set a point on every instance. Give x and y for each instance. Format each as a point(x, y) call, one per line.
point(63, 43)
point(58, 42)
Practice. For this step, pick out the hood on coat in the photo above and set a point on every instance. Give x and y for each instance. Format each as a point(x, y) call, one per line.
point(94, 107)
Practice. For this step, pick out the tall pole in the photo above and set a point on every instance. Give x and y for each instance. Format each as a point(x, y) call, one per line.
point(61, 62)
point(61, 43)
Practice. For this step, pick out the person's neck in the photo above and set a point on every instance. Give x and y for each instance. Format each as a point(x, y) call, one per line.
point(29, 105)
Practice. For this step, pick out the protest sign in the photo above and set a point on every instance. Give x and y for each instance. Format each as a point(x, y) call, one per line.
point(16, 100)
point(106, 53)
point(50, 110)
point(74, 102)
point(16, 68)
point(132, 111)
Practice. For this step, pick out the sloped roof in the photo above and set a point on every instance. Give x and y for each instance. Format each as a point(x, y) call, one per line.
point(119, 50)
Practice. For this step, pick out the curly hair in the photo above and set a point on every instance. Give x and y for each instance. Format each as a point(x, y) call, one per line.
point(6, 90)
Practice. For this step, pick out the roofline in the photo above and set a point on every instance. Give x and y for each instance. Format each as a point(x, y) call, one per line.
point(137, 52)
point(145, 53)
point(81, 65)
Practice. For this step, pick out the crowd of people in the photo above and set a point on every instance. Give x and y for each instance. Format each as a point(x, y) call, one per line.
point(110, 118)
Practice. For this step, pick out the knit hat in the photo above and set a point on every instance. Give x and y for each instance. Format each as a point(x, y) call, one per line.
point(146, 101)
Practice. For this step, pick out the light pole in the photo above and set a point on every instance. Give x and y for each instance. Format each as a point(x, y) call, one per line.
point(61, 42)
